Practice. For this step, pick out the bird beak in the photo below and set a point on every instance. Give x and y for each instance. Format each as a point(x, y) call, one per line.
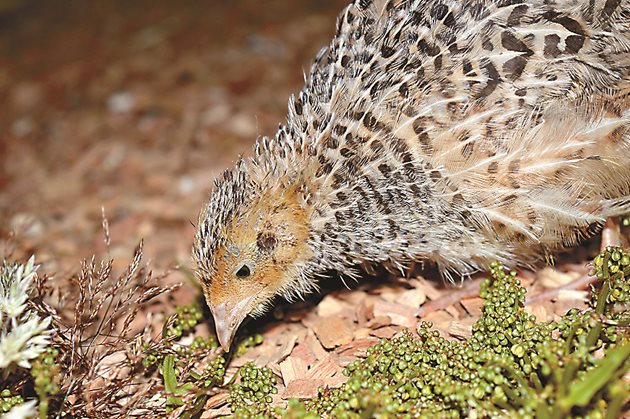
point(227, 320)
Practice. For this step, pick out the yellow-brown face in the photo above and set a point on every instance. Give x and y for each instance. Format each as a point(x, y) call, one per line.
point(261, 252)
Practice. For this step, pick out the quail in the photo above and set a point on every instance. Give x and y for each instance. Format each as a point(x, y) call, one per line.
point(454, 132)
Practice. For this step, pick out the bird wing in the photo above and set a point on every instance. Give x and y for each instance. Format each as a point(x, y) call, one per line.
point(517, 111)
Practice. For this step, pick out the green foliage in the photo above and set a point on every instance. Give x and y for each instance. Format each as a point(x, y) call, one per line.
point(510, 366)
point(45, 373)
point(177, 361)
point(251, 396)
point(612, 296)
point(249, 342)
point(173, 389)
point(177, 326)
point(213, 374)
point(8, 400)
point(296, 410)
point(187, 381)
point(186, 318)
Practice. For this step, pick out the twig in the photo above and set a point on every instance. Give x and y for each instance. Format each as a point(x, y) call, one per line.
point(579, 283)
point(469, 289)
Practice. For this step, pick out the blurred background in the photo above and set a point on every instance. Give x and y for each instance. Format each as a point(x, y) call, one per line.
point(136, 106)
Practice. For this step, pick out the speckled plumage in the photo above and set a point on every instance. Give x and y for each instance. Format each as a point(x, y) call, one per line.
point(449, 131)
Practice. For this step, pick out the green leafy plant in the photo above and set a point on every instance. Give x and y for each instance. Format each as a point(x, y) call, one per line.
point(191, 369)
point(9, 400)
point(510, 366)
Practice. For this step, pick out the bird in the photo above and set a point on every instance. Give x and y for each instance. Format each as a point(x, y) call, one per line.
point(455, 133)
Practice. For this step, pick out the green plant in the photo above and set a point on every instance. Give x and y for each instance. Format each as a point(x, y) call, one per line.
point(511, 366)
point(9, 400)
point(45, 373)
point(251, 395)
point(189, 370)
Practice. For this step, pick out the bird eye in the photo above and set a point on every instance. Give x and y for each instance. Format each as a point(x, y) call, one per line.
point(244, 271)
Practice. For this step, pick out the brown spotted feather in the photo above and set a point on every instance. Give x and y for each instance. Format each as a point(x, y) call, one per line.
point(455, 132)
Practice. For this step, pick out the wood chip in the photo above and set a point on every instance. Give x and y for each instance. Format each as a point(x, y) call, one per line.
point(286, 348)
point(364, 311)
point(412, 298)
point(354, 298)
point(217, 400)
point(543, 310)
point(391, 295)
point(357, 348)
point(379, 321)
point(331, 306)
point(473, 306)
point(216, 413)
point(400, 315)
point(361, 333)
point(428, 288)
point(462, 329)
point(573, 295)
point(325, 369)
point(552, 278)
point(386, 332)
point(304, 352)
point(441, 320)
point(333, 331)
point(567, 301)
point(292, 368)
point(302, 389)
point(315, 346)
point(275, 368)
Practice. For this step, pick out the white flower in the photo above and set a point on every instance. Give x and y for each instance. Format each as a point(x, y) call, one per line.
point(22, 411)
point(27, 339)
point(23, 335)
point(15, 283)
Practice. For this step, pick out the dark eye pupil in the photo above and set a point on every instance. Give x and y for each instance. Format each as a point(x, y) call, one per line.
point(243, 271)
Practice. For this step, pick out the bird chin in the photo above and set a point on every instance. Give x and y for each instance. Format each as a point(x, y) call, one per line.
point(228, 319)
